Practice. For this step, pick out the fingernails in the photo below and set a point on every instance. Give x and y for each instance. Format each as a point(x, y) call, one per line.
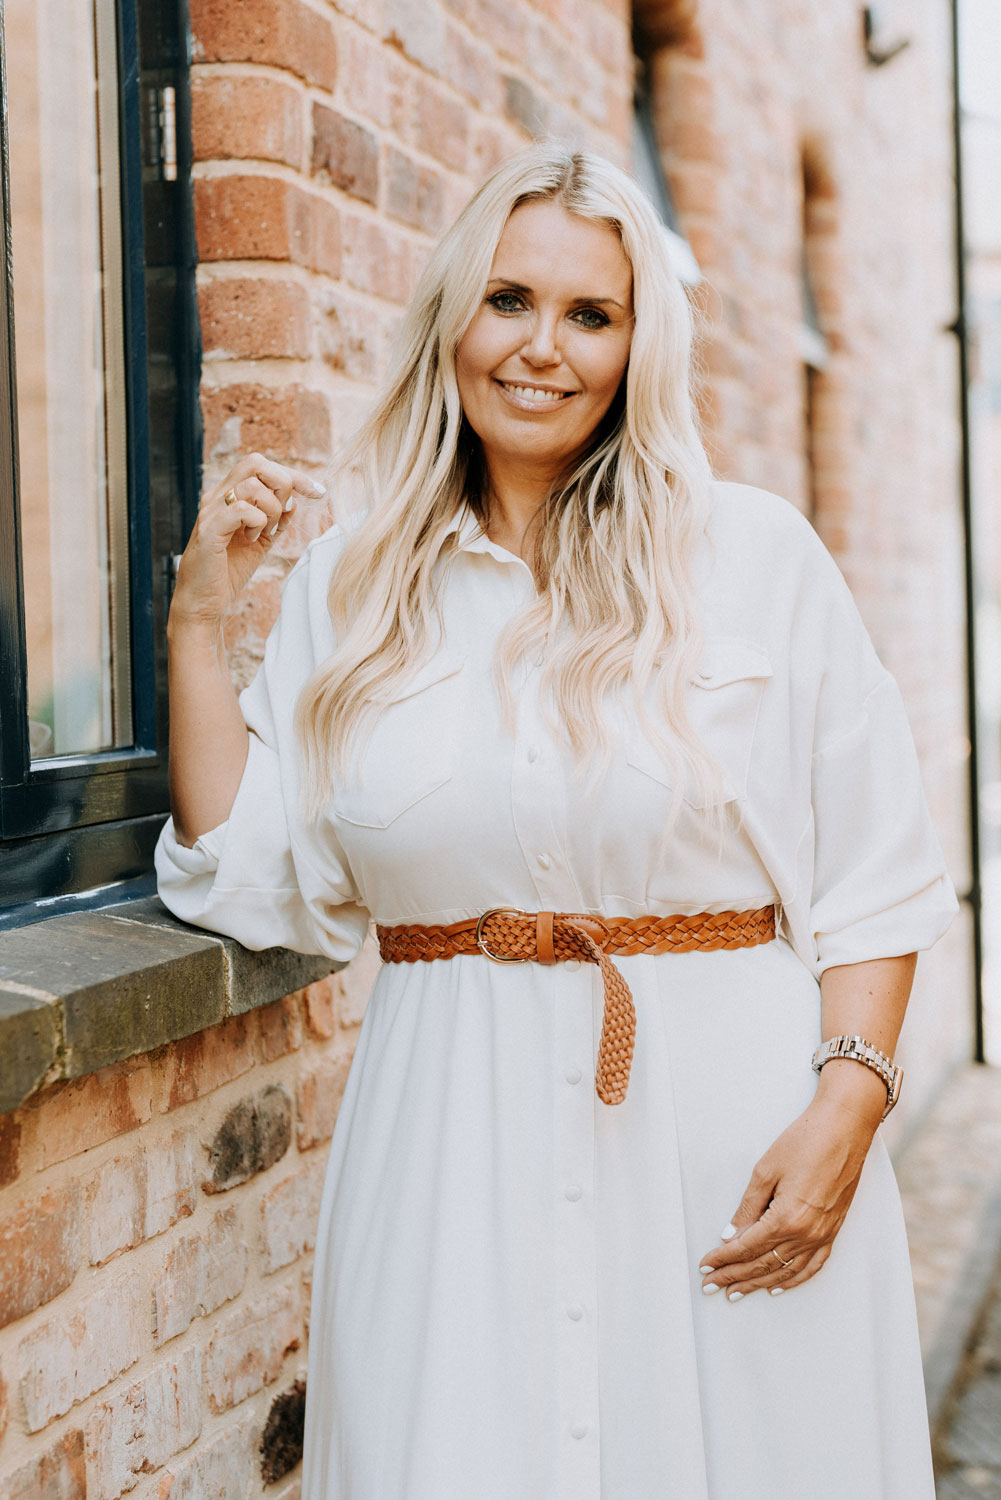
point(289, 503)
point(319, 489)
point(706, 1270)
point(709, 1288)
point(729, 1232)
point(274, 529)
point(776, 1291)
point(734, 1296)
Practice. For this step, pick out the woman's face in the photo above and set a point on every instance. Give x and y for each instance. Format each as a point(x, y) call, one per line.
point(539, 365)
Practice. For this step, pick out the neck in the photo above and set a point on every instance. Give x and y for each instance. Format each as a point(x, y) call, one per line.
point(516, 494)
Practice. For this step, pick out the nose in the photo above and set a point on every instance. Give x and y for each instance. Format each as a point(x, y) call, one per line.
point(541, 346)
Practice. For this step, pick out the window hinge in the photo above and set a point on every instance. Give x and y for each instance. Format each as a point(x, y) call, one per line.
point(167, 121)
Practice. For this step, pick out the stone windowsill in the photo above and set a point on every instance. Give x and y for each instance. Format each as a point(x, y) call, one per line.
point(82, 991)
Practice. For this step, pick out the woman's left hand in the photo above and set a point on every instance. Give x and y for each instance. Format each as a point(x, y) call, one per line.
point(796, 1200)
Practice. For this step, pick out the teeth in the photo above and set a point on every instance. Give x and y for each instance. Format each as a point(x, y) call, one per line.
point(529, 393)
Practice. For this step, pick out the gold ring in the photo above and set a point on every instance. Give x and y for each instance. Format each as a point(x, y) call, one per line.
point(230, 497)
point(779, 1258)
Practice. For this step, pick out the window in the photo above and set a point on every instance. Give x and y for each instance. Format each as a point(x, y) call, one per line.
point(649, 171)
point(98, 436)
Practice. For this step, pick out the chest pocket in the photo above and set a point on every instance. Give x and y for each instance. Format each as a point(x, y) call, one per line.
point(723, 704)
point(410, 750)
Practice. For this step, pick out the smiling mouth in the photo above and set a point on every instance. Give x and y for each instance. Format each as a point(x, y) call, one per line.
point(534, 394)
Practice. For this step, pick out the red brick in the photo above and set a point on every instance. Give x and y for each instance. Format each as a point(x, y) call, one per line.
point(39, 1251)
point(376, 260)
point(10, 1149)
point(441, 124)
point(68, 1118)
point(320, 1002)
point(223, 1469)
point(414, 192)
point(70, 1357)
point(192, 1068)
point(470, 68)
point(318, 1098)
point(695, 187)
point(375, 83)
point(246, 117)
point(265, 218)
point(116, 1207)
point(290, 424)
point(58, 1474)
point(281, 1028)
point(3, 1406)
point(345, 154)
point(283, 32)
point(202, 1271)
point(247, 1351)
point(137, 1430)
point(351, 336)
point(289, 1214)
point(254, 318)
point(133, 1198)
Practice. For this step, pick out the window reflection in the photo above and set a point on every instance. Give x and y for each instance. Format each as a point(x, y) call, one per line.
point(67, 278)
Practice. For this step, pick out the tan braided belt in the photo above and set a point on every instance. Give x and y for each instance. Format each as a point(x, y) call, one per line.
point(509, 936)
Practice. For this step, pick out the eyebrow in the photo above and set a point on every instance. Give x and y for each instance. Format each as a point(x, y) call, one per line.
point(517, 286)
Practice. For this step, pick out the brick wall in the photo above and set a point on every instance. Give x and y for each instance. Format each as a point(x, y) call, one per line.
point(156, 1226)
point(154, 1309)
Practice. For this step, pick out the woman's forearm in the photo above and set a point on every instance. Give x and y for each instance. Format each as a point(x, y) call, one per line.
point(868, 1000)
point(208, 736)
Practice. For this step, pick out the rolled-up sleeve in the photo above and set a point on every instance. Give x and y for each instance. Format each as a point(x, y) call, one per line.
point(262, 876)
point(880, 886)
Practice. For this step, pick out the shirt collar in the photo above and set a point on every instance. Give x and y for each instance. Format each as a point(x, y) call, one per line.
point(471, 538)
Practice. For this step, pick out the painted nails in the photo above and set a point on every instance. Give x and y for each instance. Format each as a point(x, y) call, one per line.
point(708, 1290)
point(289, 503)
point(776, 1291)
point(728, 1232)
point(734, 1296)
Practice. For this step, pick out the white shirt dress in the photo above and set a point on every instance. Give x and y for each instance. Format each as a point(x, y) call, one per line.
point(506, 1299)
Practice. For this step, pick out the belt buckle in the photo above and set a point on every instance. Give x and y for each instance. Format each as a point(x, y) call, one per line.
point(498, 911)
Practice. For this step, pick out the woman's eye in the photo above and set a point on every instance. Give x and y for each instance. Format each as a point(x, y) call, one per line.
point(590, 317)
point(505, 302)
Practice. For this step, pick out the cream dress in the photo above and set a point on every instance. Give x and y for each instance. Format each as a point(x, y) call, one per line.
point(506, 1298)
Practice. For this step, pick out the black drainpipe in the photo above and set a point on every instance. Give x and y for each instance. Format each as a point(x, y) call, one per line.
point(961, 329)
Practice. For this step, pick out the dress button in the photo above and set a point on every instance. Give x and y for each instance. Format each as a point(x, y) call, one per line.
point(572, 1192)
point(543, 861)
point(572, 965)
point(573, 1075)
point(579, 1430)
point(575, 1312)
point(533, 754)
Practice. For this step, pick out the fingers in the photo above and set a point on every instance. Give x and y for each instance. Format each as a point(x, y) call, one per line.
point(278, 478)
point(254, 493)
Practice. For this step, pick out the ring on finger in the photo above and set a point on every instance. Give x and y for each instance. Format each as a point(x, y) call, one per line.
point(230, 497)
point(779, 1258)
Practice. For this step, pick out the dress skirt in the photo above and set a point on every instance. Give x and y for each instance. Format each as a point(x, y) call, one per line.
point(506, 1298)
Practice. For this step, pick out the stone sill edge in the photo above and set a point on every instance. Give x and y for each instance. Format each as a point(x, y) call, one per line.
point(82, 991)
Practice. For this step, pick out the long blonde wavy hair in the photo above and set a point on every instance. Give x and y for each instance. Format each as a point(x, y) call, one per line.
point(616, 606)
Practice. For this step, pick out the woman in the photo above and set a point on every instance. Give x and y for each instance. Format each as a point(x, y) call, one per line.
point(558, 669)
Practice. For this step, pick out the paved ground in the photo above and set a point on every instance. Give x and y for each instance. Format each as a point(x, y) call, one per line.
point(950, 1182)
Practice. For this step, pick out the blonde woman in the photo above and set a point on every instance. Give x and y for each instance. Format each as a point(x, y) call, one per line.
point(557, 669)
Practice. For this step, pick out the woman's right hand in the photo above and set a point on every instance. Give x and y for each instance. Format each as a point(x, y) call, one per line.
point(232, 536)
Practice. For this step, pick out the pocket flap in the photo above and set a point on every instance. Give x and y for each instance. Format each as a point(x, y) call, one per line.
point(726, 660)
point(444, 664)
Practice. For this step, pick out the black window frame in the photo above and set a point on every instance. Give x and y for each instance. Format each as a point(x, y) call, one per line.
point(79, 830)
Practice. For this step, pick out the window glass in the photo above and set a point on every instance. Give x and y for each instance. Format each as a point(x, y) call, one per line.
point(70, 363)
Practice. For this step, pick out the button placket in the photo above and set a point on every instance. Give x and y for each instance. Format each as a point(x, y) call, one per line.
point(576, 1251)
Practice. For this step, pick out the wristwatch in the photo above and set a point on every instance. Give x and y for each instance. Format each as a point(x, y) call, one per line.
point(857, 1049)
